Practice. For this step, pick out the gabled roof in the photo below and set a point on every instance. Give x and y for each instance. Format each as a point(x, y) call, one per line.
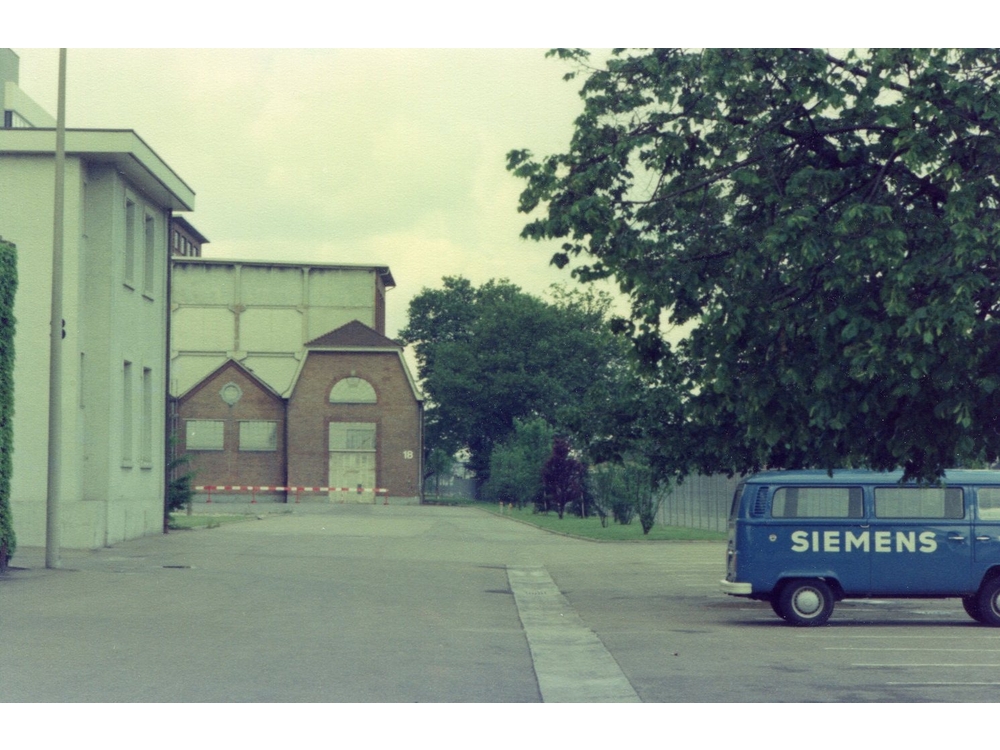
point(353, 335)
point(356, 336)
point(226, 365)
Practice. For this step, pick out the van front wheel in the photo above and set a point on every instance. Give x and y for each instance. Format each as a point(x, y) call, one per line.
point(989, 602)
point(806, 602)
point(971, 604)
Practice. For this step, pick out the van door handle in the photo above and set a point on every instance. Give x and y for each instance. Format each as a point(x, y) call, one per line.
point(983, 538)
point(956, 538)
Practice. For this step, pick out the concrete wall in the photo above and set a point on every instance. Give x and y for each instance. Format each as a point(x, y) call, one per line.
point(261, 315)
point(397, 416)
point(105, 498)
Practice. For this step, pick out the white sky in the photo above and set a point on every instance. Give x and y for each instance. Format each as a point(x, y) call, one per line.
point(355, 154)
point(389, 157)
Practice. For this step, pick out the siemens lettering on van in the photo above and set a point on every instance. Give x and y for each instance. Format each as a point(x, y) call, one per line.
point(804, 540)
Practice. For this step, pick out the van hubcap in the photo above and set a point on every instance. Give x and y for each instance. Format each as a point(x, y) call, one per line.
point(807, 602)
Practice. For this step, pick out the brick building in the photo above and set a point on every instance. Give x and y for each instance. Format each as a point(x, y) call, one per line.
point(262, 401)
point(355, 415)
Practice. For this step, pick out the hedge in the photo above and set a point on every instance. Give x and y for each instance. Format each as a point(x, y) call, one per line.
point(8, 286)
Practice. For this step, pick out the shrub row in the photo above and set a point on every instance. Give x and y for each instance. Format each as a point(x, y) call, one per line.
point(8, 287)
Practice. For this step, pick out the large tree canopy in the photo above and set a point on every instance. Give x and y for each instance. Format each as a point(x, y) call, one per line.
point(827, 224)
point(491, 355)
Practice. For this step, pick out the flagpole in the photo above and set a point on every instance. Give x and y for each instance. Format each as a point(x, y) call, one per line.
point(52, 541)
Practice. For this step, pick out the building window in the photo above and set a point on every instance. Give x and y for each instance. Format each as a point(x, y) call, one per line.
point(353, 390)
point(146, 438)
point(149, 256)
point(231, 393)
point(130, 211)
point(204, 434)
point(127, 414)
point(258, 435)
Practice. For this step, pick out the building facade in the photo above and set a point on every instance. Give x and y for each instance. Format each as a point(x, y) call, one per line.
point(119, 196)
point(248, 336)
point(185, 240)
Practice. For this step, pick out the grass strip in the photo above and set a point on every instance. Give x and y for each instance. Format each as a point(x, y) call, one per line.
point(590, 528)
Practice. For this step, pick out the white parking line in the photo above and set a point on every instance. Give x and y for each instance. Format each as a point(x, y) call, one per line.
point(896, 648)
point(942, 684)
point(908, 666)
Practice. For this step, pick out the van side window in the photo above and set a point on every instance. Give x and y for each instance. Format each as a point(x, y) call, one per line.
point(817, 502)
point(919, 502)
point(989, 503)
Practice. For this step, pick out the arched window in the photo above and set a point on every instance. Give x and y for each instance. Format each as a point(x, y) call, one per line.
point(353, 390)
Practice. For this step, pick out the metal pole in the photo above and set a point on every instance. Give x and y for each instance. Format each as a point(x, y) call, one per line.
point(55, 344)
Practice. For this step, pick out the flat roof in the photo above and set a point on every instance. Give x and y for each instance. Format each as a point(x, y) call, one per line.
point(382, 270)
point(123, 148)
point(189, 228)
point(861, 476)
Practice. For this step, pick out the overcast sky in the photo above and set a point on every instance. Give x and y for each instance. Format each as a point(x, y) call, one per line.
point(389, 157)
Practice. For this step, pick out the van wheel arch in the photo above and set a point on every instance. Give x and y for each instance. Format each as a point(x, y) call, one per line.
point(988, 600)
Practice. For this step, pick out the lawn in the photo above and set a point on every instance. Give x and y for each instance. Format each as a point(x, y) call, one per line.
point(590, 528)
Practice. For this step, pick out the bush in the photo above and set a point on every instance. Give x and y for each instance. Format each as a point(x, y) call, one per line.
point(625, 491)
point(610, 498)
point(179, 492)
point(563, 478)
point(639, 487)
point(516, 465)
point(8, 286)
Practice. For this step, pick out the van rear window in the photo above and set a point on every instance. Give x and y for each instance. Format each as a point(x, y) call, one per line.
point(817, 502)
point(919, 502)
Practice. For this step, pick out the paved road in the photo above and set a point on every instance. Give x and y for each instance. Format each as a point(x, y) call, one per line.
point(349, 603)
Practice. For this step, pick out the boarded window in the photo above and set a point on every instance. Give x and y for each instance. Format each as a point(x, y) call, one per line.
point(127, 428)
point(258, 435)
point(353, 391)
point(818, 502)
point(149, 257)
point(352, 436)
point(205, 434)
point(130, 230)
point(919, 502)
point(146, 432)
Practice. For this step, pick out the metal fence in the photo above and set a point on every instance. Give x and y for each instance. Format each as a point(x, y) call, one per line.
point(700, 502)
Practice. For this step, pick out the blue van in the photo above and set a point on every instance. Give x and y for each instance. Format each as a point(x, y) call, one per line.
point(803, 540)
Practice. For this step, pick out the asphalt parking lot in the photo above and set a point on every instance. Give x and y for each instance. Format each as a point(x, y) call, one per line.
point(341, 603)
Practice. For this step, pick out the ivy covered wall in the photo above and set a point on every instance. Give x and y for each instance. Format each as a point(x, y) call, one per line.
point(8, 286)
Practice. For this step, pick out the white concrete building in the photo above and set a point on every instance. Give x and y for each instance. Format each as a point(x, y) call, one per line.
point(118, 199)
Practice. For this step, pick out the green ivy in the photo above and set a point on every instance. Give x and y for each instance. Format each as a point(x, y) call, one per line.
point(8, 286)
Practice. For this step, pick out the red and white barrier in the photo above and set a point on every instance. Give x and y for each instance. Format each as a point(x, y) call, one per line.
point(253, 489)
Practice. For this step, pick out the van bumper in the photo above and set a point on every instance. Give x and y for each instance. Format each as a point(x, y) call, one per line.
point(734, 588)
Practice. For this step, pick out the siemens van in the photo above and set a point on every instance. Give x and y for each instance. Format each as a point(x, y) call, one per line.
point(803, 540)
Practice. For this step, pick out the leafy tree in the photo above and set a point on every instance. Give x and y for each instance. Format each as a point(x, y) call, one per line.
point(516, 464)
point(491, 355)
point(438, 464)
point(563, 477)
point(824, 225)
